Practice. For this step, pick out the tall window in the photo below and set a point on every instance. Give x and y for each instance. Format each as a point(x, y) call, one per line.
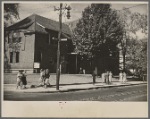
point(11, 57)
point(17, 57)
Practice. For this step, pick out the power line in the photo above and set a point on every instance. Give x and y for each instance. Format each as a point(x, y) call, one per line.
point(104, 12)
point(38, 8)
point(130, 7)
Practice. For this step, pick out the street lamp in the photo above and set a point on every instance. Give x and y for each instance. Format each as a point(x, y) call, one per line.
point(59, 39)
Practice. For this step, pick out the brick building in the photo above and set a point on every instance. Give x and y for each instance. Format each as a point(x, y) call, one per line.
point(31, 44)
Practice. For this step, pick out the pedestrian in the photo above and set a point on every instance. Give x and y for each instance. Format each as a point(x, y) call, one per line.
point(24, 80)
point(94, 76)
point(124, 78)
point(81, 71)
point(107, 77)
point(47, 75)
point(42, 77)
point(103, 77)
point(110, 77)
point(120, 76)
point(144, 77)
point(19, 79)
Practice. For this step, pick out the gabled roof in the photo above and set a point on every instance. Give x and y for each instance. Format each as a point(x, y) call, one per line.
point(36, 23)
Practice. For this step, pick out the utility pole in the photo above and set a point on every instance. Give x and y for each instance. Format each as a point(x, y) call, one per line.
point(59, 40)
point(58, 49)
point(124, 52)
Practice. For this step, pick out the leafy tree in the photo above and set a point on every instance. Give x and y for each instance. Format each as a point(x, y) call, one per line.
point(10, 12)
point(137, 56)
point(130, 45)
point(98, 31)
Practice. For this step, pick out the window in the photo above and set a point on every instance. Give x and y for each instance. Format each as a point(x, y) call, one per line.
point(11, 57)
point(17, 57)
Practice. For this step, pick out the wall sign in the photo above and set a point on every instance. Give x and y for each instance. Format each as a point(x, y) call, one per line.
point(36, 65)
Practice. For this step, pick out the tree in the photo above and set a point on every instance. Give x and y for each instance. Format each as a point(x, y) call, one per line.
point(130, 45)
point(10, 12)
point(98, 31)
point(137, 56)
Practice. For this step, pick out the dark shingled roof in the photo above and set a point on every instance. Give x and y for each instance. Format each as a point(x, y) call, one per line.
point(36, 23)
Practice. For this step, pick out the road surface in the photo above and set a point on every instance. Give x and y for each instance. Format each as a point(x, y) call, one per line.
point(125, 93)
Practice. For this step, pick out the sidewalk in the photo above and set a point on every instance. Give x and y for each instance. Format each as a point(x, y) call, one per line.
point(68, 82)
point(70, 87)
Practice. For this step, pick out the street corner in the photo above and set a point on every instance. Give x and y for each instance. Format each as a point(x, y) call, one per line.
point(39, 89)
point(29, 88)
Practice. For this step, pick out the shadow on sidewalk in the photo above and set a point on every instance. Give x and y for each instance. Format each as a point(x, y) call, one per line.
point(76, 84)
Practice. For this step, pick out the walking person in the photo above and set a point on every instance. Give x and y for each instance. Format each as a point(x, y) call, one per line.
point(42, 77)
point(19, 79)
point(103, 78)
point(24, 80)
point(124, 77)
point(81, 71)
point(110, 77)
point(94, 76)
point(47, 75)
point(120, 77)
point(142, 76)
point(107, 77)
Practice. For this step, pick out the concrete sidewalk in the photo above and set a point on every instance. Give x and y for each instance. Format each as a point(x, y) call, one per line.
point(70, 87)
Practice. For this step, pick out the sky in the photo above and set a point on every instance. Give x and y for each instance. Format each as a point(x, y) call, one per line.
point(47, 9)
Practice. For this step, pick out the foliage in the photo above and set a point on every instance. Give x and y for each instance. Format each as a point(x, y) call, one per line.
point(137, 55)
point(98, 31)
point(131, 45)
point(132, 22)
point(10, 12)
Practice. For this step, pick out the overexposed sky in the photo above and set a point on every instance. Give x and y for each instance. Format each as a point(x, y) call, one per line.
point(47, 9)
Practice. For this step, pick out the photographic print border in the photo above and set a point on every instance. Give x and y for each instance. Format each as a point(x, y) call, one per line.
point(76, 109)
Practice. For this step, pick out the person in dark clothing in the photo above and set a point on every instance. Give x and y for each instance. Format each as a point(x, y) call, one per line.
point(94, 76)
point(47, 75)
point(107, 77)
point(81, 71)
point(24, 80)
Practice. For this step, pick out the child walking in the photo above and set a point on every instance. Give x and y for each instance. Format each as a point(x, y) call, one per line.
point(24, 80)
point(46, 81)
point(42, 77)
point(19, 79)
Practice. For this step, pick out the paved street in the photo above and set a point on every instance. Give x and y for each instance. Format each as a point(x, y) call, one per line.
point(125, 93)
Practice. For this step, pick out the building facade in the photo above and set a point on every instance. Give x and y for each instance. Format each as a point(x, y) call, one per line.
point(31, 44)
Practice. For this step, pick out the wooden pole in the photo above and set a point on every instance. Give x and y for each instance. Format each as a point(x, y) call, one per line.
point(58, 49)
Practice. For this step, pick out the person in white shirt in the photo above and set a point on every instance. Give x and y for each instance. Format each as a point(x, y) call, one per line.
point(19, 79)
point(110, 77)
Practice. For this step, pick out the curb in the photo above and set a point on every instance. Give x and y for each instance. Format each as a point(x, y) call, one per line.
point(79, 89)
